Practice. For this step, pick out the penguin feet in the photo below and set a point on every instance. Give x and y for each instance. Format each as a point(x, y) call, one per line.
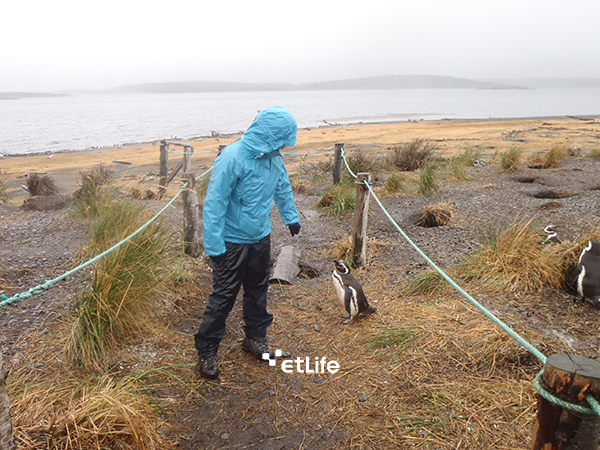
point(348, 320)
point(345, 315)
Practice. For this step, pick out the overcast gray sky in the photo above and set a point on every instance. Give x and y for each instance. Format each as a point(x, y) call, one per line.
point(70, 44)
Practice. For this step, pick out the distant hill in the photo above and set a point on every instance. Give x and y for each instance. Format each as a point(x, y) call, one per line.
point(403, 82)
point(382, 82)
point(539, 83)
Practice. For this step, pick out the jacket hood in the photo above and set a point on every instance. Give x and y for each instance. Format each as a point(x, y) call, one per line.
point(272, 129)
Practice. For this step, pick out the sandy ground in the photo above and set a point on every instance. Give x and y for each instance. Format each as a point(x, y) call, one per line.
point(450, 136)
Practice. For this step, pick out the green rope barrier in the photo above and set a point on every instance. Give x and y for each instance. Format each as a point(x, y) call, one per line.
point(308, 154)
point(594, 405)
point(49, 283)
point(192, 153)
point(594, 408)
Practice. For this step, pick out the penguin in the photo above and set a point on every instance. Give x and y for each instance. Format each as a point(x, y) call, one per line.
point(550, 230)
point(350, 292)
point(586, 277)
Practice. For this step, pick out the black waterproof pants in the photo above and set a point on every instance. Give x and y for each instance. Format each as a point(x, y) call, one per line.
point(246, 265)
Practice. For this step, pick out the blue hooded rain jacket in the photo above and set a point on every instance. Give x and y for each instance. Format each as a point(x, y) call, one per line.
point(247, 176)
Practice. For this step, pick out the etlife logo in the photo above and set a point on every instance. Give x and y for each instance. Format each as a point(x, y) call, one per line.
point(303, 365)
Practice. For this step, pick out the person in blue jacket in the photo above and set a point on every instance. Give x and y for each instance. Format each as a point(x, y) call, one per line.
point(247, 176)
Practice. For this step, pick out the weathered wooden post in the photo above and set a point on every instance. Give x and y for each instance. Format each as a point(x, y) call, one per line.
point(190, 217)
point(164, 160)
point(7, 440)
point(361, 216)
point(163, 170)
point(337, 163)
point(570, 378)
point(187, 158)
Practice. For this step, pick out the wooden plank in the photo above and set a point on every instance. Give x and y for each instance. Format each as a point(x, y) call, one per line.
point(287, 265)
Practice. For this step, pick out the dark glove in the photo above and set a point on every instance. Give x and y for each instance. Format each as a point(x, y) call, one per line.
point(294, 228)
point(218, 259)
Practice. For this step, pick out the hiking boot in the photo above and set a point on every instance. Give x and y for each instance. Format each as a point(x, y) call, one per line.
point(258, 349)
point(209, 367)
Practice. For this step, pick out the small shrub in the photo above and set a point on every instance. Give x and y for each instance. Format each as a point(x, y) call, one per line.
point(413, 155)
point(510, 159)
point(428, 184)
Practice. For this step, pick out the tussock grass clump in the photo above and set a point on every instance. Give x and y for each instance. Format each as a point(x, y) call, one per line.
point(339, 199)
point(510, 159)
point(428, 184)
point(512, 259)
point(467, 157)
point(412, 155)
point(549, 159)
point(396, 182)
point(3, 188)
point(79, 414)
point(41, 185)
point(91, 194)
point(362, 161)
point(120, 304)
point(435, 215)
point(594, 153)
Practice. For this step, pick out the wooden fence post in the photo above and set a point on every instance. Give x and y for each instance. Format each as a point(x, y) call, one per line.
point(337, 163)
point(164, 160)
point(187, 158)
point(361, 216)
point(163, 170)
point(190, 217)
point(569, 377)
point(7, 440)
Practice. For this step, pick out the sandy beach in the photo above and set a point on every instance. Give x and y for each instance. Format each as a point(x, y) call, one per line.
point(532, 135)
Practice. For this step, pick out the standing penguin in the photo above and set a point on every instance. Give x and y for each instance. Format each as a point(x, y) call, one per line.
point(350, 292)
point(586, 278)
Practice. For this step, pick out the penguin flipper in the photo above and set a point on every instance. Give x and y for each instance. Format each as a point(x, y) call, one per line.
point(347, 300)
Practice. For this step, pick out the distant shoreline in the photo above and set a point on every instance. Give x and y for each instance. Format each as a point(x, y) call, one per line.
point(583, 118)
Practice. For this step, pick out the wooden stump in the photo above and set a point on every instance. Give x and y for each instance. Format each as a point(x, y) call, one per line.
point(287, 265)
point(7, 440)
point(570, 378)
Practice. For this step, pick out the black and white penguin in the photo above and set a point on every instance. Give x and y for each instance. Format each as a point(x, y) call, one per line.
point(350, 292)
point(552, 235)
point(586, 278)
